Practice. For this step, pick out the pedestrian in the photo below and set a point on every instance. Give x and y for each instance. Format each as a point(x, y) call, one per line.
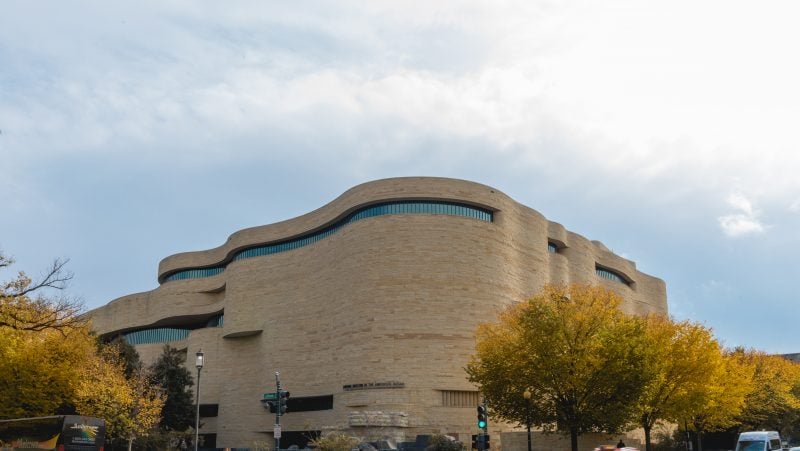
point(621, 444)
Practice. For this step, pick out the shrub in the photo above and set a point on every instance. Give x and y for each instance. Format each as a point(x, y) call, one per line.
point(335, 441)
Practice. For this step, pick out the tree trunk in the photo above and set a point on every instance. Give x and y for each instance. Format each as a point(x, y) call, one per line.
point(573, 436)
point(699, 441)
point(647, 444)
point(130, 443)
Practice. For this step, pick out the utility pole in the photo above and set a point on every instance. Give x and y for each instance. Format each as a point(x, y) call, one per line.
point(277, 430)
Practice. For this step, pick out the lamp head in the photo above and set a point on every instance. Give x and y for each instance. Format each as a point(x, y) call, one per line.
point(199, 361)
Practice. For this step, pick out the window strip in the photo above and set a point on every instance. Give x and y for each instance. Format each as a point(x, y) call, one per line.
point(610, 275)
point(386, 208)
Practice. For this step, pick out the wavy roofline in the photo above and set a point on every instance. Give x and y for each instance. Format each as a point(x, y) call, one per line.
point(359, 196)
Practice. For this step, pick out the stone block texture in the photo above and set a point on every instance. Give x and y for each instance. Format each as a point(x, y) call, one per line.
point(390, 298)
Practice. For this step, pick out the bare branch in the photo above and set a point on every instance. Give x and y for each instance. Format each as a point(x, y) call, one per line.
point(18, 310)
point(55, 277)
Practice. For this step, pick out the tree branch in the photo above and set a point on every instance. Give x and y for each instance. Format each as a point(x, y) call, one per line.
point(18, 310)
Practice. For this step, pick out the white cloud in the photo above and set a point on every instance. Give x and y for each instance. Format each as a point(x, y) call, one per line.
point(737, 225)
point(600, 99)
point(741, 203)
point(744, 222)
point(672, 113)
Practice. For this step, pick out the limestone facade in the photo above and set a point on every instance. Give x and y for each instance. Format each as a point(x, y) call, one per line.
point(379, 314)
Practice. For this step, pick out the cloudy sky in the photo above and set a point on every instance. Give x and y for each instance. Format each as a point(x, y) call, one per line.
point(670, 131)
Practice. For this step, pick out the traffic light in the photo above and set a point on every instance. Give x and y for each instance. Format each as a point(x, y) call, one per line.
point(482, 416)
point(276, 403)
point(282, 401)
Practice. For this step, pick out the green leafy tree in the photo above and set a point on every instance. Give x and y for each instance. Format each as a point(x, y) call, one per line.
point(127, 354)
point(577, 353)
point(170, 373)
point(680, 360)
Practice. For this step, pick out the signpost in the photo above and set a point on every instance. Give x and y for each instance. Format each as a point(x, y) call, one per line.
point(276, 401)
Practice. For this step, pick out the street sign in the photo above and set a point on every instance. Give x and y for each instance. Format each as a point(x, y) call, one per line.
point(271, 395)
point(277, 431)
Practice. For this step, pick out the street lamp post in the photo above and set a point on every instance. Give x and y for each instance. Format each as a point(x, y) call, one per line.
point(199, 364)
point(527, 396)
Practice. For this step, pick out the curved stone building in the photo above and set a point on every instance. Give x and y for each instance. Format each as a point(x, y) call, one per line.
point(367, 307)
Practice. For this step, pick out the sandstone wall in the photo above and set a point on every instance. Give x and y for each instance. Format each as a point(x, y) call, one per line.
point(388, 298)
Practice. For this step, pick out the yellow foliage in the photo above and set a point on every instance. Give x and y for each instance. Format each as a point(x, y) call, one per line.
point(38, 370)
point(572, 348)
point(682, 359)
point(42, 371)
point(131, 407)
point(775, 388)
point(724, 399)
point(49, 360)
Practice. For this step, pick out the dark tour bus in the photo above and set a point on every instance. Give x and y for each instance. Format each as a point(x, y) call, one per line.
point(59, 433)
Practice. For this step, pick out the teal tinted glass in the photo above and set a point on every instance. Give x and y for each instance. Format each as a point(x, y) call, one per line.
point(610, 275)
point(160, 335)
point(382, 209)
point(195, 273)
point(216, 321)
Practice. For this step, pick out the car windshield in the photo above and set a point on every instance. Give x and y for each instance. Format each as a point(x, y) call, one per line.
point(750, 445)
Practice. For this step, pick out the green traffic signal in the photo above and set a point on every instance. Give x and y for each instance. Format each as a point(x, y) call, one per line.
point(482, 416)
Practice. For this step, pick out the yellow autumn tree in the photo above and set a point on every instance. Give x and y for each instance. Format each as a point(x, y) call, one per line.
point(775, 394)
point(43, 343)
point(573, 349)
point(38, 370)
point(680, 360)
point(719, 406)
point(131, 406)
point(50, 362)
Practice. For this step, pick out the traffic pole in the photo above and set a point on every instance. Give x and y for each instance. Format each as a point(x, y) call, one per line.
point(277, 430)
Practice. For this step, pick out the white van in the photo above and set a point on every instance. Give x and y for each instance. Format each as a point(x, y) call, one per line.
point(758, 441)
